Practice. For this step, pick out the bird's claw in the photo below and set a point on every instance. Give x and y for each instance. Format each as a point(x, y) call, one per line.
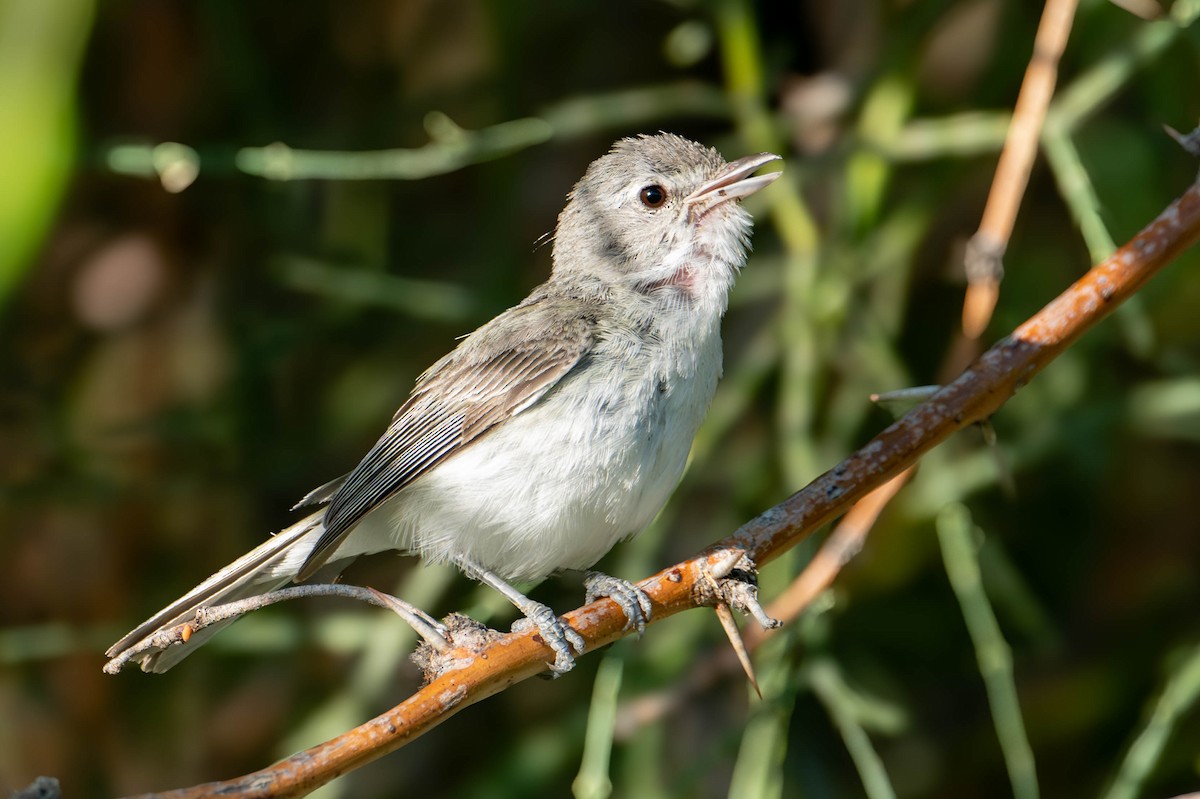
point(633, 601)
point(557, 634)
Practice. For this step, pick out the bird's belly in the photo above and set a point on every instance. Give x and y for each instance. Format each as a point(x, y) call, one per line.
point(554, 487)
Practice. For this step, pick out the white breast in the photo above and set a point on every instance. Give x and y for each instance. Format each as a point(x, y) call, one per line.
point(556, 486)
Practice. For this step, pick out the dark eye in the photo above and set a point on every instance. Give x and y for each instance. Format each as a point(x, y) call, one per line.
point(653, 196)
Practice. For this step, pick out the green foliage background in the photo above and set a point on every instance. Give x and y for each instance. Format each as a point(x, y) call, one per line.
point(178, 367)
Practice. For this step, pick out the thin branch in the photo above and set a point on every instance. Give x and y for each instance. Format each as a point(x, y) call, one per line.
point(829, 686)
point(972, 133)
point(986, 248)
point(1179, 695)
point(428, 628)
point(992, 652)
point(450, 147)
point(1189, 142)
point(842, 545)
point(738, 645)
point(983, 388)
point(838, 549)
point(975, 395)
point(592, 779)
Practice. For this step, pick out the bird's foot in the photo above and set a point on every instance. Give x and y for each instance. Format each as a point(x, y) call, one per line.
point(555, 632)
point(633, 601)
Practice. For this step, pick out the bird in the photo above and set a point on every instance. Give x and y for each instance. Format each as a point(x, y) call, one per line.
point(555, 430)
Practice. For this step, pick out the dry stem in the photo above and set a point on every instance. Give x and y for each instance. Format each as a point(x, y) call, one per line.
point(986, 248)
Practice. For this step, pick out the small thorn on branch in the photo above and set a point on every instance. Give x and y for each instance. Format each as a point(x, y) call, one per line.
point(729, 624)
point(898, 402)
point(726, 561)
point(734, 582)
point(1190, 142)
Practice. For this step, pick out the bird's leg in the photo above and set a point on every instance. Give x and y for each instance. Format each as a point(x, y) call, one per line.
point(557, 635)
point(633, 601)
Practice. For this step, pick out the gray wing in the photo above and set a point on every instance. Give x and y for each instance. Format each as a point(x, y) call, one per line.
point(497, 372)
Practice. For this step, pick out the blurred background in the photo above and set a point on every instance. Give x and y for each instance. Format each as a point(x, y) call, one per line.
point(232, 234)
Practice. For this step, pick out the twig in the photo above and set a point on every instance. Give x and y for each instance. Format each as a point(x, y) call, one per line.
point(983, 388)
point(978, 393)
point(756, 768)
point(593, 781)
point(1190, 142)
point(831, 689)
point(738, 645)
point(450, 148)
point(742, 61)
point(985, 250)
point(992, 652)
point(842, 544)
point(1179, 695)
point(978, 132)
point(428, 628)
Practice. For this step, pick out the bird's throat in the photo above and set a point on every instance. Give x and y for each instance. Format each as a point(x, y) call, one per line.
point(682, 280)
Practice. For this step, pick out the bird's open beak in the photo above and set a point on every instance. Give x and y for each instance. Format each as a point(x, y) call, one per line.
point(734, 181)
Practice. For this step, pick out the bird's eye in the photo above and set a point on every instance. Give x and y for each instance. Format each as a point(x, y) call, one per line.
point(653, 196)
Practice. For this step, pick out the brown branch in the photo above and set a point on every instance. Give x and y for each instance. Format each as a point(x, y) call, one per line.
point(985, 385)
point(842, 545)
point(839, 548)
point(985, 250)
point(974, 396)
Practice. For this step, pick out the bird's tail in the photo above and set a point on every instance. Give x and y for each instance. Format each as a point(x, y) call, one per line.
point(266, 567)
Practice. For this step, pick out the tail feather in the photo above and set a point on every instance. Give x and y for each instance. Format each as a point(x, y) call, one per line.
point(266, 567)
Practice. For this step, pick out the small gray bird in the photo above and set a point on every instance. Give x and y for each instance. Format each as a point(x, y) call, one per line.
point(558, 428)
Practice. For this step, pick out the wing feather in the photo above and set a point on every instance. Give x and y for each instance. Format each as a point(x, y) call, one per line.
point(499, 371)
